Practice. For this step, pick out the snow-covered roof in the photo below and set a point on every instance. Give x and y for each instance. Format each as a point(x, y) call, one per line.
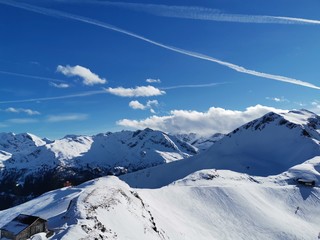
point(19, 223)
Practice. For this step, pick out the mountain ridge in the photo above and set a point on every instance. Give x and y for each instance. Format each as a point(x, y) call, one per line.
point(265, 146)
point(28, 162)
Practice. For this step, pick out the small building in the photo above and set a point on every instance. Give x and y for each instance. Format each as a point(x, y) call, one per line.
point(67, 184)
point(23, 227)
point(306, 182)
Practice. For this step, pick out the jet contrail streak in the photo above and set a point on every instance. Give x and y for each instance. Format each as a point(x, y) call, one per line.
point(104, 91)
point(84, 94)
point(59, 14)
point(30, 76)
point(202, 13)
point(192, 86)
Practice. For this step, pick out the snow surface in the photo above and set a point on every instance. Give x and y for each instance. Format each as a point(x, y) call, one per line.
point(244, 187)
point(208, 204)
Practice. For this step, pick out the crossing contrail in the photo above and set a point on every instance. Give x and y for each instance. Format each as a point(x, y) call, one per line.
point(59, 14)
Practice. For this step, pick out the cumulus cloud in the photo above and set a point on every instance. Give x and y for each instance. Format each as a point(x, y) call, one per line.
point(89, 78)
point(140, 91)
point(136, 105)
point(59, 85)
point(215, 120)
point(149, 105)
point(151, 80)
point(67, 117)
point(22, 110)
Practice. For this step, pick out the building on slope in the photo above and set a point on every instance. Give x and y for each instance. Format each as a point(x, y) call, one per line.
point(306, 182)
point(23, 227)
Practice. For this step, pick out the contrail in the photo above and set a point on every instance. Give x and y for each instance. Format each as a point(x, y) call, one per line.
point(84, 94)
point(30, 76)
point(59, 14)
point(192, 86)
point(201, 13)
point(104, 91)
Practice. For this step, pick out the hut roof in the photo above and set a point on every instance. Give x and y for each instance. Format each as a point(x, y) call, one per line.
point(19, 223)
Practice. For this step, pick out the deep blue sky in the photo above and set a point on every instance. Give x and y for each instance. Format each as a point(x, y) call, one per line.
point(34, 44)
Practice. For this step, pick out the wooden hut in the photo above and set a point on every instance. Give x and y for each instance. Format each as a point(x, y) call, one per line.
point(23, 227)
point(306, 182)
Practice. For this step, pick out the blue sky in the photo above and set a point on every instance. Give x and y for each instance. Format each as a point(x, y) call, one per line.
point(84, 67)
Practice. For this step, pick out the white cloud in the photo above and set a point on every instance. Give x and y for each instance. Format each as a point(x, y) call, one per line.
point(67, 117)
point(151, 80)
point(22, 120)
point(59, 85)
point(141, 91)
point(277, 99)
point(22, 110)
point(235, 67)
point(149, 105)
point(152, 111)
point(300, 104)
point(215, 120)
point(315, 106)
point(89, 78)
point(137, 105)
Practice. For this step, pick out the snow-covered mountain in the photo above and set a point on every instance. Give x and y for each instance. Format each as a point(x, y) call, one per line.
point(200, 142)
point(29, 166)
point(266, 146)
point(246, 186)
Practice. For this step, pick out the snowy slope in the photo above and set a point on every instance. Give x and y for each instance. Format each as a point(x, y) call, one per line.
point(209, 204)
point(266, 146)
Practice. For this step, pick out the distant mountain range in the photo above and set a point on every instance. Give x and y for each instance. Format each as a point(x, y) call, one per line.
point(30, 166)
point(248, 185)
